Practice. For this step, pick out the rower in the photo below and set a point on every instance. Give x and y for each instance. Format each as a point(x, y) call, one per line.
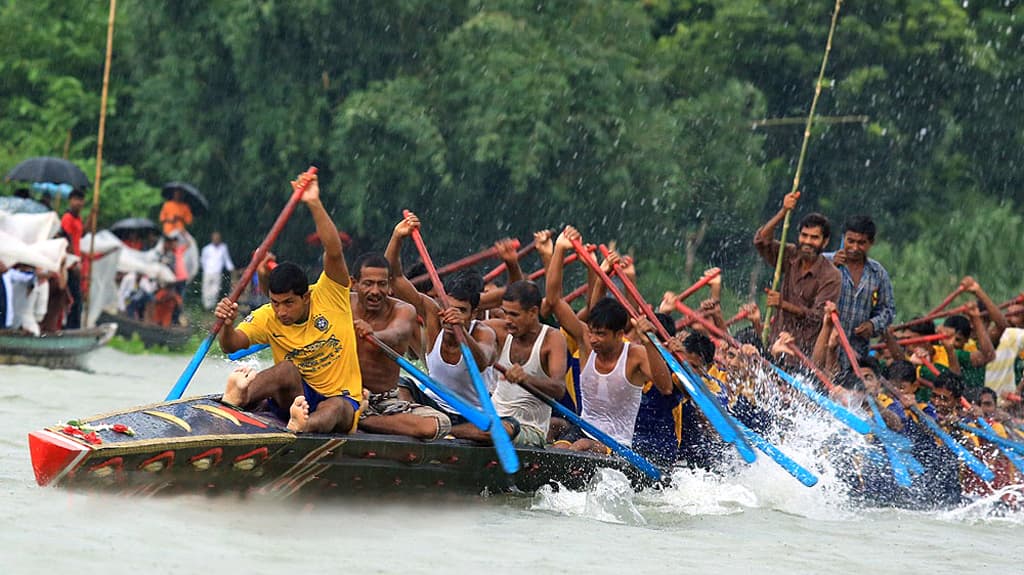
point(315, 384)
point(392, 321)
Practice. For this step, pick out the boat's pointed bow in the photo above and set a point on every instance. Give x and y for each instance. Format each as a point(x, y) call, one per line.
point(54, 456)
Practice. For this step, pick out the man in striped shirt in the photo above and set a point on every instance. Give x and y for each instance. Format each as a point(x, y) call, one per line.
point(866, 305)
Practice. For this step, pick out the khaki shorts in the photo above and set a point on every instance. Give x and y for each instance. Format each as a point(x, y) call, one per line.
point(388, 403)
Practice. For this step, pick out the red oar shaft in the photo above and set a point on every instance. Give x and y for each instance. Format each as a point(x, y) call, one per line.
point(740, 315)
point(928, 318)
point(491, 275)
point(949, 299)
point(576, 293)
point(931, 366)
point(845, 343)
point(568, 260)
point(461, 263)
point(708, 325)
point(261, 251)
point(912, 340)
point(700, 283)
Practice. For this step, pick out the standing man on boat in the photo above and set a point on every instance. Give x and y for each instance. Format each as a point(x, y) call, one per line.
point(315, 383)
point(393, 322)
point(215, 260)
point(866, 303)
point(808, 279)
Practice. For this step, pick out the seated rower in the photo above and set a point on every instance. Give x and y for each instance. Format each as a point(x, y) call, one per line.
point(315, 384)
point(612, 371)
point(393, 322)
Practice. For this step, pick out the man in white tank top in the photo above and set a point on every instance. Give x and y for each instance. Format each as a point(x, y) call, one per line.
point(612, 371)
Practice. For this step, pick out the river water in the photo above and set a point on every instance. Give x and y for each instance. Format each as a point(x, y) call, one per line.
point(759, 521)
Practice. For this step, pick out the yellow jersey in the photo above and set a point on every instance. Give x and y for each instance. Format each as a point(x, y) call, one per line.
point(323, 347)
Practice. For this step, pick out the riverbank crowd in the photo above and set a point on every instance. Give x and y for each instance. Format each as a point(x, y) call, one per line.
point(939, 396)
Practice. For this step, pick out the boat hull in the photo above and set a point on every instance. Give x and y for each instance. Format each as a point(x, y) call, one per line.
point(61, 350)
point(173, 337)
point(199, 445)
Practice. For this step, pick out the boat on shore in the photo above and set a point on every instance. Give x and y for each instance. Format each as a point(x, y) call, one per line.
point(173, 337)
point(200, 445)
point(59, 350)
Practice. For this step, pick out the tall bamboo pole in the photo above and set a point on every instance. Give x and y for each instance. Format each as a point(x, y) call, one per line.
point(94, 214)
point(799, 168)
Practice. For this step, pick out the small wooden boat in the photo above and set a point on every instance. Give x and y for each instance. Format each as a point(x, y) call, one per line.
point(59, 350)
point(200, 445)
point(151, 334)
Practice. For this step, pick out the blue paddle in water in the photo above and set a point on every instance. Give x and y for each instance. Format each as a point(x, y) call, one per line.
point(257, 257)
point(502, 443)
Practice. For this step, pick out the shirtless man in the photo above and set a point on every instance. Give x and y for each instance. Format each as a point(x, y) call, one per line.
point(393, 322)
point(612, 371)
point(315, 382)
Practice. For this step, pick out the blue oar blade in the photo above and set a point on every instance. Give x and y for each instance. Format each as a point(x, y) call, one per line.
point(899, 467)
point(1014, 458)
point(792, 467)
point(190, 370)
point(243, 353)
point(502, 442)
point(961, 452)
point(713, 415)
point(463, 407)
point(626, 453)
point(839, 412)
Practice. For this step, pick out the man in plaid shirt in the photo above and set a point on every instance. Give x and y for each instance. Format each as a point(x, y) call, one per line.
point(866, 305)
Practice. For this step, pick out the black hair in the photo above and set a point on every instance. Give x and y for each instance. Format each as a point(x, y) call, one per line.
point(871, 363)
point(849, 380)
point(749, 335)
point(923, 328)
point(76, 193)
point(418, 270)
point(960, 324)
point(988, 391)
point(370, 260)
point(465, 286)
point(525, 293)
point(287, 278)
point(22, 193)
point(861, 225)
point(608, 314)
point(951, 381)
point(701, 346)
point(816, 220)
point(901, 371)
point(666, 322)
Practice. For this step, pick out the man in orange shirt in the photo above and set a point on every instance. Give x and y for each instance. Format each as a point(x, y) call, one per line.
point(175, 213)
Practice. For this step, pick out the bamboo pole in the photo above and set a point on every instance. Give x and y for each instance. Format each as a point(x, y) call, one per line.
point(799, 168)
point(94, 214)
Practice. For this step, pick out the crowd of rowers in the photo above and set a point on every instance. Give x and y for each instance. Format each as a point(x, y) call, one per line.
point(331, 372)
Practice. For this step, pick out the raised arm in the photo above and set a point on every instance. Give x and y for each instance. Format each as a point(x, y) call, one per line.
point(995, 315)
point(986, 352)
point(334, 259)
point(507, 252)
point(401, 286)
point(764, 238)
point(553, 288)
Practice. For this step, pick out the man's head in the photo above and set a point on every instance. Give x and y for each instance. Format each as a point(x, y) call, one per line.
point(521, 305)
point(903, 375)
point(1015, 315)
point(814, 233)
point(22, 193)
point(215, 238)
point(959, 327)
point(871, 372)
point(924, 328)
point(946, 392)
point(76, 199)
point(464, 289)
point(698, 349)
point(372, 275)
point(987, 401)
point(858, 237)
point(178, 195)
point(606, 325)
point(289, 293)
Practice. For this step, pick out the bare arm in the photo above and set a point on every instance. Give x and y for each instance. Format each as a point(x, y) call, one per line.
point(230, 339)
point(995, 315)
point(986, 352)
point(401, 286)
point(650, 366)
point(334, 260)
point(553, 292)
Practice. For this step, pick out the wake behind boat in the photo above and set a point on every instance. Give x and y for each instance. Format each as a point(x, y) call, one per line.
point(200, 445)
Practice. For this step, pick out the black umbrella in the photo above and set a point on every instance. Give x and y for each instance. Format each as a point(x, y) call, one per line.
point(46, 169)
point(193, 198)
point(132, 224)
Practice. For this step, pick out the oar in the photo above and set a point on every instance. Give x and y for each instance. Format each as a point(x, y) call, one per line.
point(993, 437)
point(792, 467)
point(576, 293)
point(243, 353)
point(949, 299)
point(899, 468)
point(463, 407)
point(523, 252)
point(799, 169)
point(912, 340)
point(502, 443)
point(976, 465)
point(703, 281)
point(706, 402)
point(257, 257)
point(568, 260)
point(1009, 454)
point(845, 343)
point(459, 264)
point(637, 460)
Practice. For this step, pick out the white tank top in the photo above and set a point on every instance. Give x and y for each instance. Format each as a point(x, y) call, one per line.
point(511, 399)
point(610, 401)
point(455, 377)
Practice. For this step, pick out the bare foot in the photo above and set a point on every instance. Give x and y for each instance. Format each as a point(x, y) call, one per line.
point(299, 412)
point(237, 392)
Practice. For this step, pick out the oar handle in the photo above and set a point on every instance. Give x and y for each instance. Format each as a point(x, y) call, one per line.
point(931, 366)
point(264, 247)
point(802, 357)
point(929, 318)
point(845, 343)
point(568, 260)
point(523, 252)
point(740, 315)
point(912, 340)
point(576, 293)
point(949, 299)
point(711, 327)
point(703, 281)
point(459, 264)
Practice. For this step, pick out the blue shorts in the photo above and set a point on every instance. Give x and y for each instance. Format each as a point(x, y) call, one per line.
point(313, 398)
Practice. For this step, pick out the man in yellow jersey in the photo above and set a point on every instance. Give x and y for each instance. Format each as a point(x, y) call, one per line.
point(315, 383)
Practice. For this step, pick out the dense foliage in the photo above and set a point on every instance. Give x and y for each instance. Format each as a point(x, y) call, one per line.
point(636, 120)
